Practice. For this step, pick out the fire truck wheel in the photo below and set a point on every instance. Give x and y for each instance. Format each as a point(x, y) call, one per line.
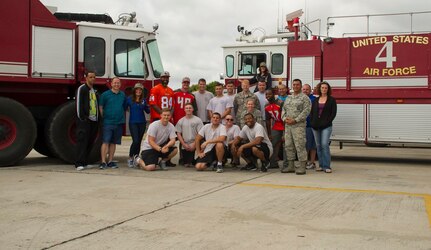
point(60, 132)
point(17, 131)
point(40, 145)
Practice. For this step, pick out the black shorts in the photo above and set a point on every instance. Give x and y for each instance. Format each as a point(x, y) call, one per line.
point(211, 156)
point(248, 153)
point(228, 153)
point(151, 156)
point(188, 157)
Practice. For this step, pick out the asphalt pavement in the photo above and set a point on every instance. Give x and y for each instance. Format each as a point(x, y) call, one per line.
point(376, 198)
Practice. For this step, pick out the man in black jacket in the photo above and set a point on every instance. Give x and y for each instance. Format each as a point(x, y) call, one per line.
point(86, 122)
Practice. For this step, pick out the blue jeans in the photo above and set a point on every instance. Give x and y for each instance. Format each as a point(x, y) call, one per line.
point(137, 131)
point(322, 144)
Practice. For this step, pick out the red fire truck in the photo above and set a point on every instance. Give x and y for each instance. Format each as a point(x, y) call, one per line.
point(382, 83)
point(43, 57)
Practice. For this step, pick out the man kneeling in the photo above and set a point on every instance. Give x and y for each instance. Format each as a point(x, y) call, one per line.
point(159, 143)
point(214, 146)
point(258, 147)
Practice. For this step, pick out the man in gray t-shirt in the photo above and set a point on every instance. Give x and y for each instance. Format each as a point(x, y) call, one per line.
point(202, 97)
point(230, 87)
point(220, 103)
point(187, 129)
point(214, 145)
point(258, 147)
point(159, 143)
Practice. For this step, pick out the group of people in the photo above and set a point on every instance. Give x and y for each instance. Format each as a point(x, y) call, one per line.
point(257, 127)
point(109, 107)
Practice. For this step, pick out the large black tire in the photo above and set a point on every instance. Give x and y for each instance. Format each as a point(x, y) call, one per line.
point(60, 132)
point(40, 145)
point(41, 114)
point(17, 132)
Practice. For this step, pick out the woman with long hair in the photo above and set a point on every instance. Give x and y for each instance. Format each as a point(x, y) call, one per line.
point(262, 76)
point(323, 112)
point(137, 105)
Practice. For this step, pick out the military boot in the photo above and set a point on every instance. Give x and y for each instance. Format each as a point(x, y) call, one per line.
point(301, 169)
point(290, 168)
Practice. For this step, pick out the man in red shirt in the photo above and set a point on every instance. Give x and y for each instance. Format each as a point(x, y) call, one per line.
point(161, 97)
point(181, 98)
point(276, 132)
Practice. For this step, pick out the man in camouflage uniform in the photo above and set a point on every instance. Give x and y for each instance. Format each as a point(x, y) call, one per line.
point(240, 101)
point(294, 114)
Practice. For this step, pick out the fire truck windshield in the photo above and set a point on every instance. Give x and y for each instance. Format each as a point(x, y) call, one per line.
point(156, 61)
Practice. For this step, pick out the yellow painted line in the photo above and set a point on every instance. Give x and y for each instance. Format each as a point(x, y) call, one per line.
point(333, 189)
point(426, 197)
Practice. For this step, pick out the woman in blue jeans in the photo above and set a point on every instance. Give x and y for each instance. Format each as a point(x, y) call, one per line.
point(137, 105)
point(323, 112)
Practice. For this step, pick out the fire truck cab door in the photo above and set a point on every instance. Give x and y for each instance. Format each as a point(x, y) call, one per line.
point(94, 52)
point(112, 52)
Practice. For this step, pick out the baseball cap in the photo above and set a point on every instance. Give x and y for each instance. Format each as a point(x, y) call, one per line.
point(138, 85)
point(186, 79)
point(165, 73)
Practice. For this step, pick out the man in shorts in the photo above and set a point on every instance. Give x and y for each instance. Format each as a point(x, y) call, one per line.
point(214, 146)
point(258, 147)
point(159, 143)
point(111, 108)
point(187, 129)
point(232, 131)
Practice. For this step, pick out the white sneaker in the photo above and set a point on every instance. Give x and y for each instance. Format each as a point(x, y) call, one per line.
point(80, 168)
point(130, 163)
point(136, 161)
point(162, 165)
point(310, 165)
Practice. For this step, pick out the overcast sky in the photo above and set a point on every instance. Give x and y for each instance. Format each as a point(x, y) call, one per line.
point(192, 32)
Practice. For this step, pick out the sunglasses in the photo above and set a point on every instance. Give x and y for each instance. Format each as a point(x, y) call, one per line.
point(227, 119)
